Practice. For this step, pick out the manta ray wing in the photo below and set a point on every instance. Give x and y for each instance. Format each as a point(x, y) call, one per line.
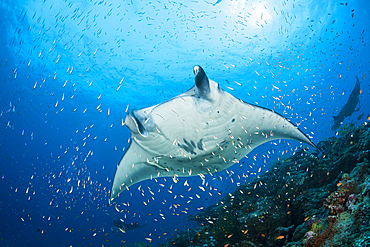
point(131, 169)
point(204, 130)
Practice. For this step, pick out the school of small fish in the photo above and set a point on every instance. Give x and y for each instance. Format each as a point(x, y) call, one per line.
point(70, 72)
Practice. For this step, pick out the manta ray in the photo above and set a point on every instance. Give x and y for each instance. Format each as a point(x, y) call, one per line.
point(119, 225)
point(202, 131)
point(349, 107)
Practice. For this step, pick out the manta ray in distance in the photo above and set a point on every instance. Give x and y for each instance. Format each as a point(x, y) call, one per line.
point(349, 107)
point(202, 131)
point(119, 225)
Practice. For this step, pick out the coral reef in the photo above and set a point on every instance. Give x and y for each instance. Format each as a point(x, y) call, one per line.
point(313, 198)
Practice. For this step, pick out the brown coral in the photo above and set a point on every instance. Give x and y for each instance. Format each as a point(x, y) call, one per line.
point(319, 239)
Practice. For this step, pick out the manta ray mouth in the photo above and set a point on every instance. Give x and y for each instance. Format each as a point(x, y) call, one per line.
point(139, 127)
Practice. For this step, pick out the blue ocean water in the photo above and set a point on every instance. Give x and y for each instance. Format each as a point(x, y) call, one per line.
point(70, 70)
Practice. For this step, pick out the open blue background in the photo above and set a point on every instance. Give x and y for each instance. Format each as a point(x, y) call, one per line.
point(65, 64)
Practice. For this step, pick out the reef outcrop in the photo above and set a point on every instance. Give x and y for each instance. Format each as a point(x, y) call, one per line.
point(313, 198)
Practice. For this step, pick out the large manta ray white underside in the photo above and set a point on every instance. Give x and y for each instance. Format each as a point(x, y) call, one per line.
point(202, 131)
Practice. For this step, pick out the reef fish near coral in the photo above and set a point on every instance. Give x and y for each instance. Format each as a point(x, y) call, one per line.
point(202, 131)
point(349, 107)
